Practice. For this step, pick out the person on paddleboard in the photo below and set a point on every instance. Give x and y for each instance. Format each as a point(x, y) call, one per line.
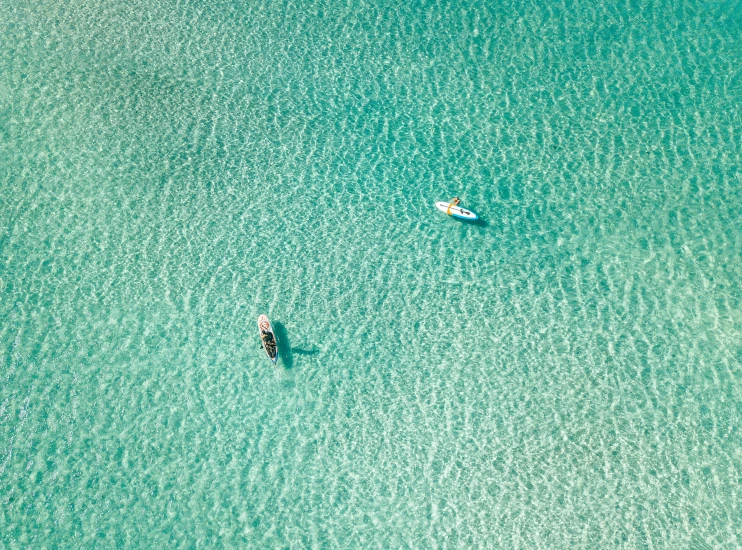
point(267, 338)
point(269, 343)
point(454, 202)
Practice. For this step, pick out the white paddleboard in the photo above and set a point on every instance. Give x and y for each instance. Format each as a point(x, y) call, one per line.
point(264, 327)
point(455, 211)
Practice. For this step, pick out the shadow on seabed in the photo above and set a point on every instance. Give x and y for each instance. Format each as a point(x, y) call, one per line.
point(285, 351)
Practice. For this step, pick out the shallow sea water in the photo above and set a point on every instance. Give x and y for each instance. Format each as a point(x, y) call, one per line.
point(563, 374)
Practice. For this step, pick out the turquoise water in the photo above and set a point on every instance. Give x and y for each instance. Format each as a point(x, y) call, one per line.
point(564, 374)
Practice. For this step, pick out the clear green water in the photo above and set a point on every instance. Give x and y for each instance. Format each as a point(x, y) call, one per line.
point(565, 374)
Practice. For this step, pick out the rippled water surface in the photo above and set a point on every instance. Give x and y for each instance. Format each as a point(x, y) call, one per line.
point(563, 374)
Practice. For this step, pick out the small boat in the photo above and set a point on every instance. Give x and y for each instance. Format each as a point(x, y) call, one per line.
point(268, 338)
point(456, 211)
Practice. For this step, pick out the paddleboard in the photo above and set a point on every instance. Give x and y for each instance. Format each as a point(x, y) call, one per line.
point(269, 344)
point(456, 211)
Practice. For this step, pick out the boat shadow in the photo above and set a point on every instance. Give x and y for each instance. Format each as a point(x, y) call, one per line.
point(479, 222)
point(285, 351)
